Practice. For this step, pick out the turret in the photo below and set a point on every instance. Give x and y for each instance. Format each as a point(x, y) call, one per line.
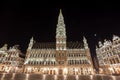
point(115, 37)
point(31, 43)
point(85, 43)
point(100, 44)
point(4, 48)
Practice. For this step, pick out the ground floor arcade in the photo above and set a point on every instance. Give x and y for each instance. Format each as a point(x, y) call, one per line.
point(59, 70)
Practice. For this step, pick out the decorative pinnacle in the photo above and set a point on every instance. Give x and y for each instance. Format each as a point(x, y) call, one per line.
point(85, 42)
point(31, 38)
point(84, 39)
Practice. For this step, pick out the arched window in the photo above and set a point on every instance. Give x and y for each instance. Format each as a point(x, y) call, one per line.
point(72, 62)
point(28, 62)
point(30, 55)
point(32, 62)
point(75, 62)
point(54, 62)
point(43, 55)
point(52, 55)
point(68, 61)
point(48, 55)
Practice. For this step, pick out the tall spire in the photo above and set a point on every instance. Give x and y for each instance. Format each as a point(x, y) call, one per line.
point(60, 20)
point(60, 30)
point(61, 41)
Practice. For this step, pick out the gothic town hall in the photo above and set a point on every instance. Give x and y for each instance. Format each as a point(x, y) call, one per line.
point(60, 57)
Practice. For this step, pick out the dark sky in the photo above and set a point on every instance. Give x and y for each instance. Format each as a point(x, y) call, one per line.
point(19, 20)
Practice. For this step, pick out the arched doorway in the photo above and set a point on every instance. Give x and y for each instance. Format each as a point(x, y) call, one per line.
point(60, 72)
point(54, 72)
point(50, 71)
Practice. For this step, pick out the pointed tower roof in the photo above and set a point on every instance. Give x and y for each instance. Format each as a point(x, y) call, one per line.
point(60, 30)
point(84, 39)
point(4, 47)
point(115, 37)
point(60, 15)
point(31, 43)
point(85, 42)
point(61, 19)
point(31, 38)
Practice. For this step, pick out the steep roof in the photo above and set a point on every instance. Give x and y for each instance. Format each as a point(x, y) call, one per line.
point(44, 45)
point(52, 45)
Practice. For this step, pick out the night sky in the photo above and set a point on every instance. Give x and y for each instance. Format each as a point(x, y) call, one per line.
point(20, 20)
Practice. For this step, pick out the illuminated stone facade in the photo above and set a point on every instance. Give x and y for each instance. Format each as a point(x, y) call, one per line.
point(3, 53)
point(61, 57)
point(11, 59)
point(108, 54)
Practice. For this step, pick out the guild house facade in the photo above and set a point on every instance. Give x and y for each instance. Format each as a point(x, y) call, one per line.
point(60, 57)
point(11, 60)
point(108, 54)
